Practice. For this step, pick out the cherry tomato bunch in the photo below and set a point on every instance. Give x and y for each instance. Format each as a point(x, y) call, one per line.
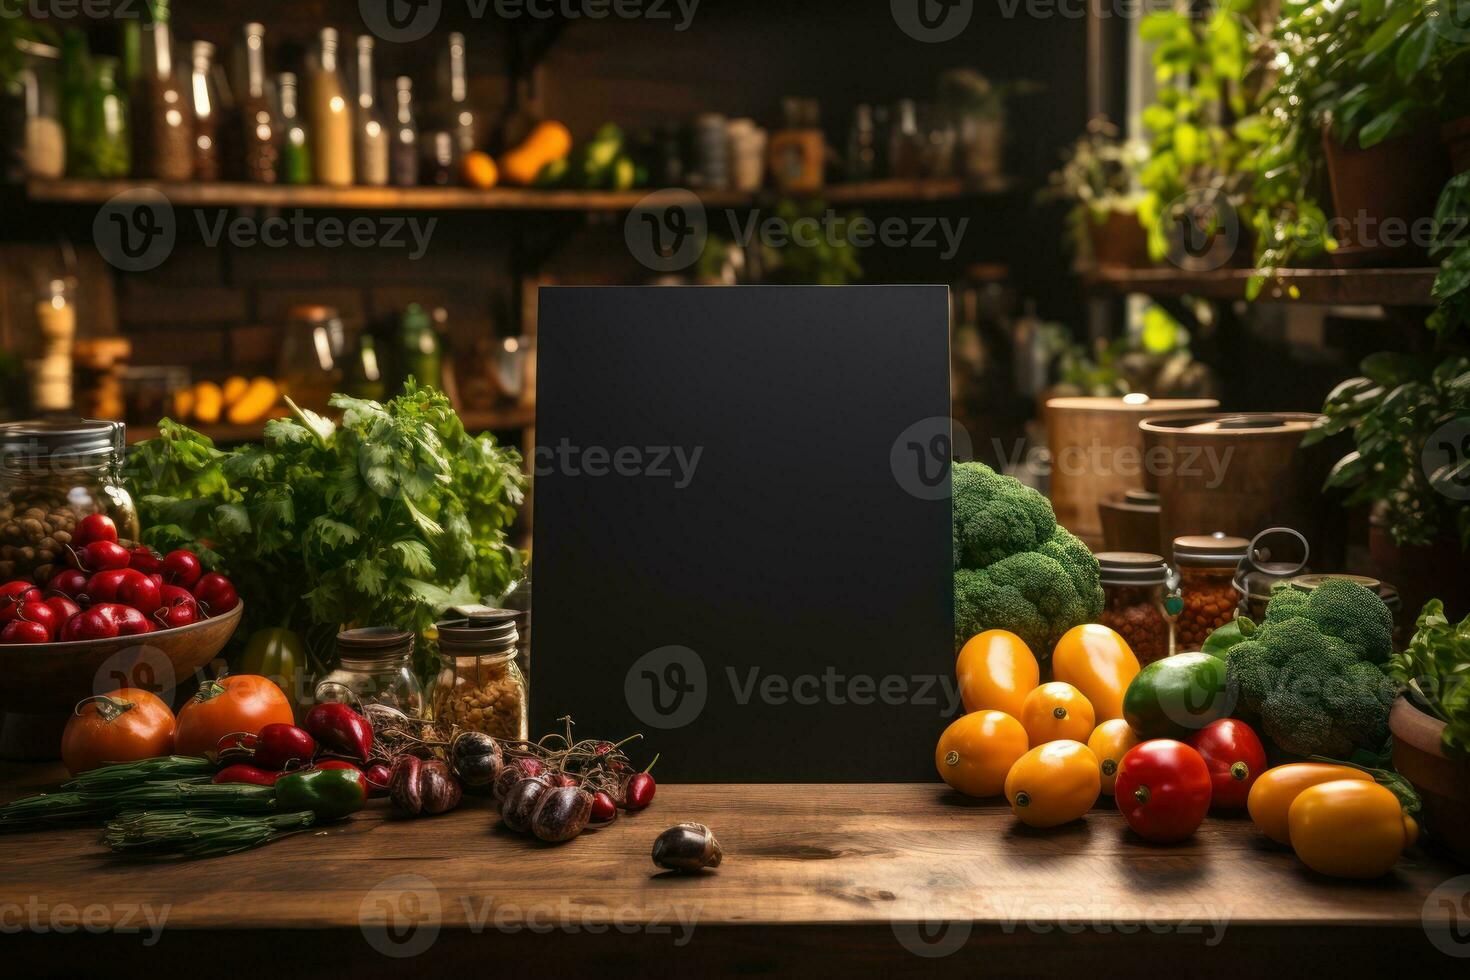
point(112, 591)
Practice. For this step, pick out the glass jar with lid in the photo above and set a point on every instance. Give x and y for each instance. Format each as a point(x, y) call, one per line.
point(1135, 587)
point(480, 686)
point(1207, 564)
point(42, 148)
point(374, 666)
point(1276, 555)
point(310, 365)
point(53, 474)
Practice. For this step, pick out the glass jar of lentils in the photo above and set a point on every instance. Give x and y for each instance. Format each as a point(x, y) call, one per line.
point(53, 474)
point(1206, 564)
point(480, 687)
point(1135, 585)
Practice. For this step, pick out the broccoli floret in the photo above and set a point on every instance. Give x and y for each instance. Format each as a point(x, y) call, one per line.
point(1285, 603)
point(1355, 615)
point(1016, 569)
point(1315, 692)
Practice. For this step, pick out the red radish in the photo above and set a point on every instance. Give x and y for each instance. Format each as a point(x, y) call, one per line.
point(145, 560)
point(15, 591)
point(94, 527)
point(603, 807)
point(172, 617)
point(70, 582)
point(130, 621)
point(104, 586)
point(139, 591)
point(94, 624)
point(172, 595)
point(181, 568)
point(216, 594)
point(24, 631)
point(63, 607)
point(36, 611)
point(102, 556)
point(156, 578)
point(639, 792)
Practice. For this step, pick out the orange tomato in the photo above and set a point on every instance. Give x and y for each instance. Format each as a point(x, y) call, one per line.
point(238, 703)
point(996, 670)
point(977, 750)
point(1053, 784)
point(1056, 711)
point(1099, 663)
point(1349, 828)
point(1270, 799)
point(127, 725)
point(1110, 741)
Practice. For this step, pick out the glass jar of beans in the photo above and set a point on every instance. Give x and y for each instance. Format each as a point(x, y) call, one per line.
point(53, 474)
point(1206, 565)
point(480, 687)
point(1135, 585)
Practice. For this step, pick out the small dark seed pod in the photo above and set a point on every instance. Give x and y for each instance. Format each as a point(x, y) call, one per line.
point(404, 786)
point(512, 772)
point(561, 814)
point(519, 805)
point(476, 758)
point(441, 791)
point(423, 787)
point(687, 847)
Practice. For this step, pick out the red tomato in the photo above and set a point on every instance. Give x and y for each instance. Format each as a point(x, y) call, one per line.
point(1162, 790)
point(124, 726)
point(1235, 757)
point(239, 703)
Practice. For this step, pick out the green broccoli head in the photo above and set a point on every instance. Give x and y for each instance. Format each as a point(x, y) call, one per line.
point(1355, 615)
point(1016, 569)
point(1312, 692)
point(1285, 603)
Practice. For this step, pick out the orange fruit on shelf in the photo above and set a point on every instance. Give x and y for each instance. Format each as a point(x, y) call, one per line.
point(1054, 784)
point(977, 750)
point(1056, 710)
point(996, 670)
point(1110, 741)
point(479, 170)
point(1098, 662)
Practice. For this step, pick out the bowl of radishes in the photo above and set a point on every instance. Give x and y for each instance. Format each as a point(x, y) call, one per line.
point(159, 612)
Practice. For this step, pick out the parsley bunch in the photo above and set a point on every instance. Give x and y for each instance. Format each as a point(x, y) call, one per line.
point(386, 518)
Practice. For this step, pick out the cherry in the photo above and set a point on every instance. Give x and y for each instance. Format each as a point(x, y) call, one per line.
point(94, 527)
point(140, 592)
point(145, 560)
point(15, 591)
point(172, 617)
point(36, 611)
point(69, 582)
point(181, 568)
point(603, 807)
point(96, 623)
point(24, 631)
point(64, 608)
point(639, 792)
point(104, 586)
point(216, 594)
point(102, 556)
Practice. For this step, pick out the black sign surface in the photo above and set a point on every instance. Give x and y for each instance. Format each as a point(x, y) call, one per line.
point(742, 527)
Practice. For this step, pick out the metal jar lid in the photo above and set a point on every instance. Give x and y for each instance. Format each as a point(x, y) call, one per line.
point(476, 630)
point(1132, 568)
point(375, 643)
point(60, 438)
point(1210, 549)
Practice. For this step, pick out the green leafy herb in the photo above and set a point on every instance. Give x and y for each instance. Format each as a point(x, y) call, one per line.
point(1435, 672)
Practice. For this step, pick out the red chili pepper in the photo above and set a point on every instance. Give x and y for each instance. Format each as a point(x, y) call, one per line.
point(1235, 758)
point(378, 774)
point(242, 773)
point(341, 730)
point(1162, 790)
point(279, 744)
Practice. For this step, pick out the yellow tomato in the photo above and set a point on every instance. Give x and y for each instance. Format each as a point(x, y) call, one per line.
point(1056, 711)
point(996, 669)
point(977, 750)
point(1270, 799)
point(1099, 663)
point(1349, 828)
point(1110, 741)
point(1053, 784)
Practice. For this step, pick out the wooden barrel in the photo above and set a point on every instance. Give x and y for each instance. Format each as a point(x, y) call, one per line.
point(1097, 453)
point(1239, 474)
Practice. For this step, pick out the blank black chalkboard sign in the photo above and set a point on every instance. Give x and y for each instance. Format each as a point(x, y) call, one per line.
point(742, 527)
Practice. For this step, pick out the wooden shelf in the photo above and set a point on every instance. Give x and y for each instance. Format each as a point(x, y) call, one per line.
point(499, 420)
point(1334, 287)
point(226, 194)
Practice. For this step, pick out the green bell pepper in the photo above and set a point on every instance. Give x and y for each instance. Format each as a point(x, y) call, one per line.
point(328, 793)
point(1176, 696)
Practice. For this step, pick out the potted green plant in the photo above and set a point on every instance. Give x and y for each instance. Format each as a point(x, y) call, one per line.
point(1098, 177)
point(1431, 724)
point(978, 107)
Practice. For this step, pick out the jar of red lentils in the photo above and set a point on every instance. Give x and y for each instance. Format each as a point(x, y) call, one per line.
point(1135, 585)
point(1206, 564)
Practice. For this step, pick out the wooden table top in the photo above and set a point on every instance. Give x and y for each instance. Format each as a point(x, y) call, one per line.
point(890, 861)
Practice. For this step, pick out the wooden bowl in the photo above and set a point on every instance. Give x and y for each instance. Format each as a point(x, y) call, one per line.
point(44, 678)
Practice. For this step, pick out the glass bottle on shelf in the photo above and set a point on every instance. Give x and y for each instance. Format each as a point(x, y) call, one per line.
point(374, 666)
point(260, 155)
point(76, 80)
point(906, 145)
point(371, 133)
point(405, 149)
point(42, 149)
point(296, 164)
point(164, 118)
point(310, 365)
point(440, 161)
point(459, 117)
point(798, 151)
point(862, 156)
point(329, 114)
point(420, 348)
point(204, 98)
point(107, 122)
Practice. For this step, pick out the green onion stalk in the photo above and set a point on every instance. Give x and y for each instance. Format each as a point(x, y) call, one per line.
point(69, 806)
point(196, 833)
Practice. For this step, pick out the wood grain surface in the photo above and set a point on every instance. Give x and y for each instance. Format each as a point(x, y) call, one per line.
point(812, 873)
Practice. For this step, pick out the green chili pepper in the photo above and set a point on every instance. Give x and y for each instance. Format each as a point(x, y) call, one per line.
point(329, 793)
